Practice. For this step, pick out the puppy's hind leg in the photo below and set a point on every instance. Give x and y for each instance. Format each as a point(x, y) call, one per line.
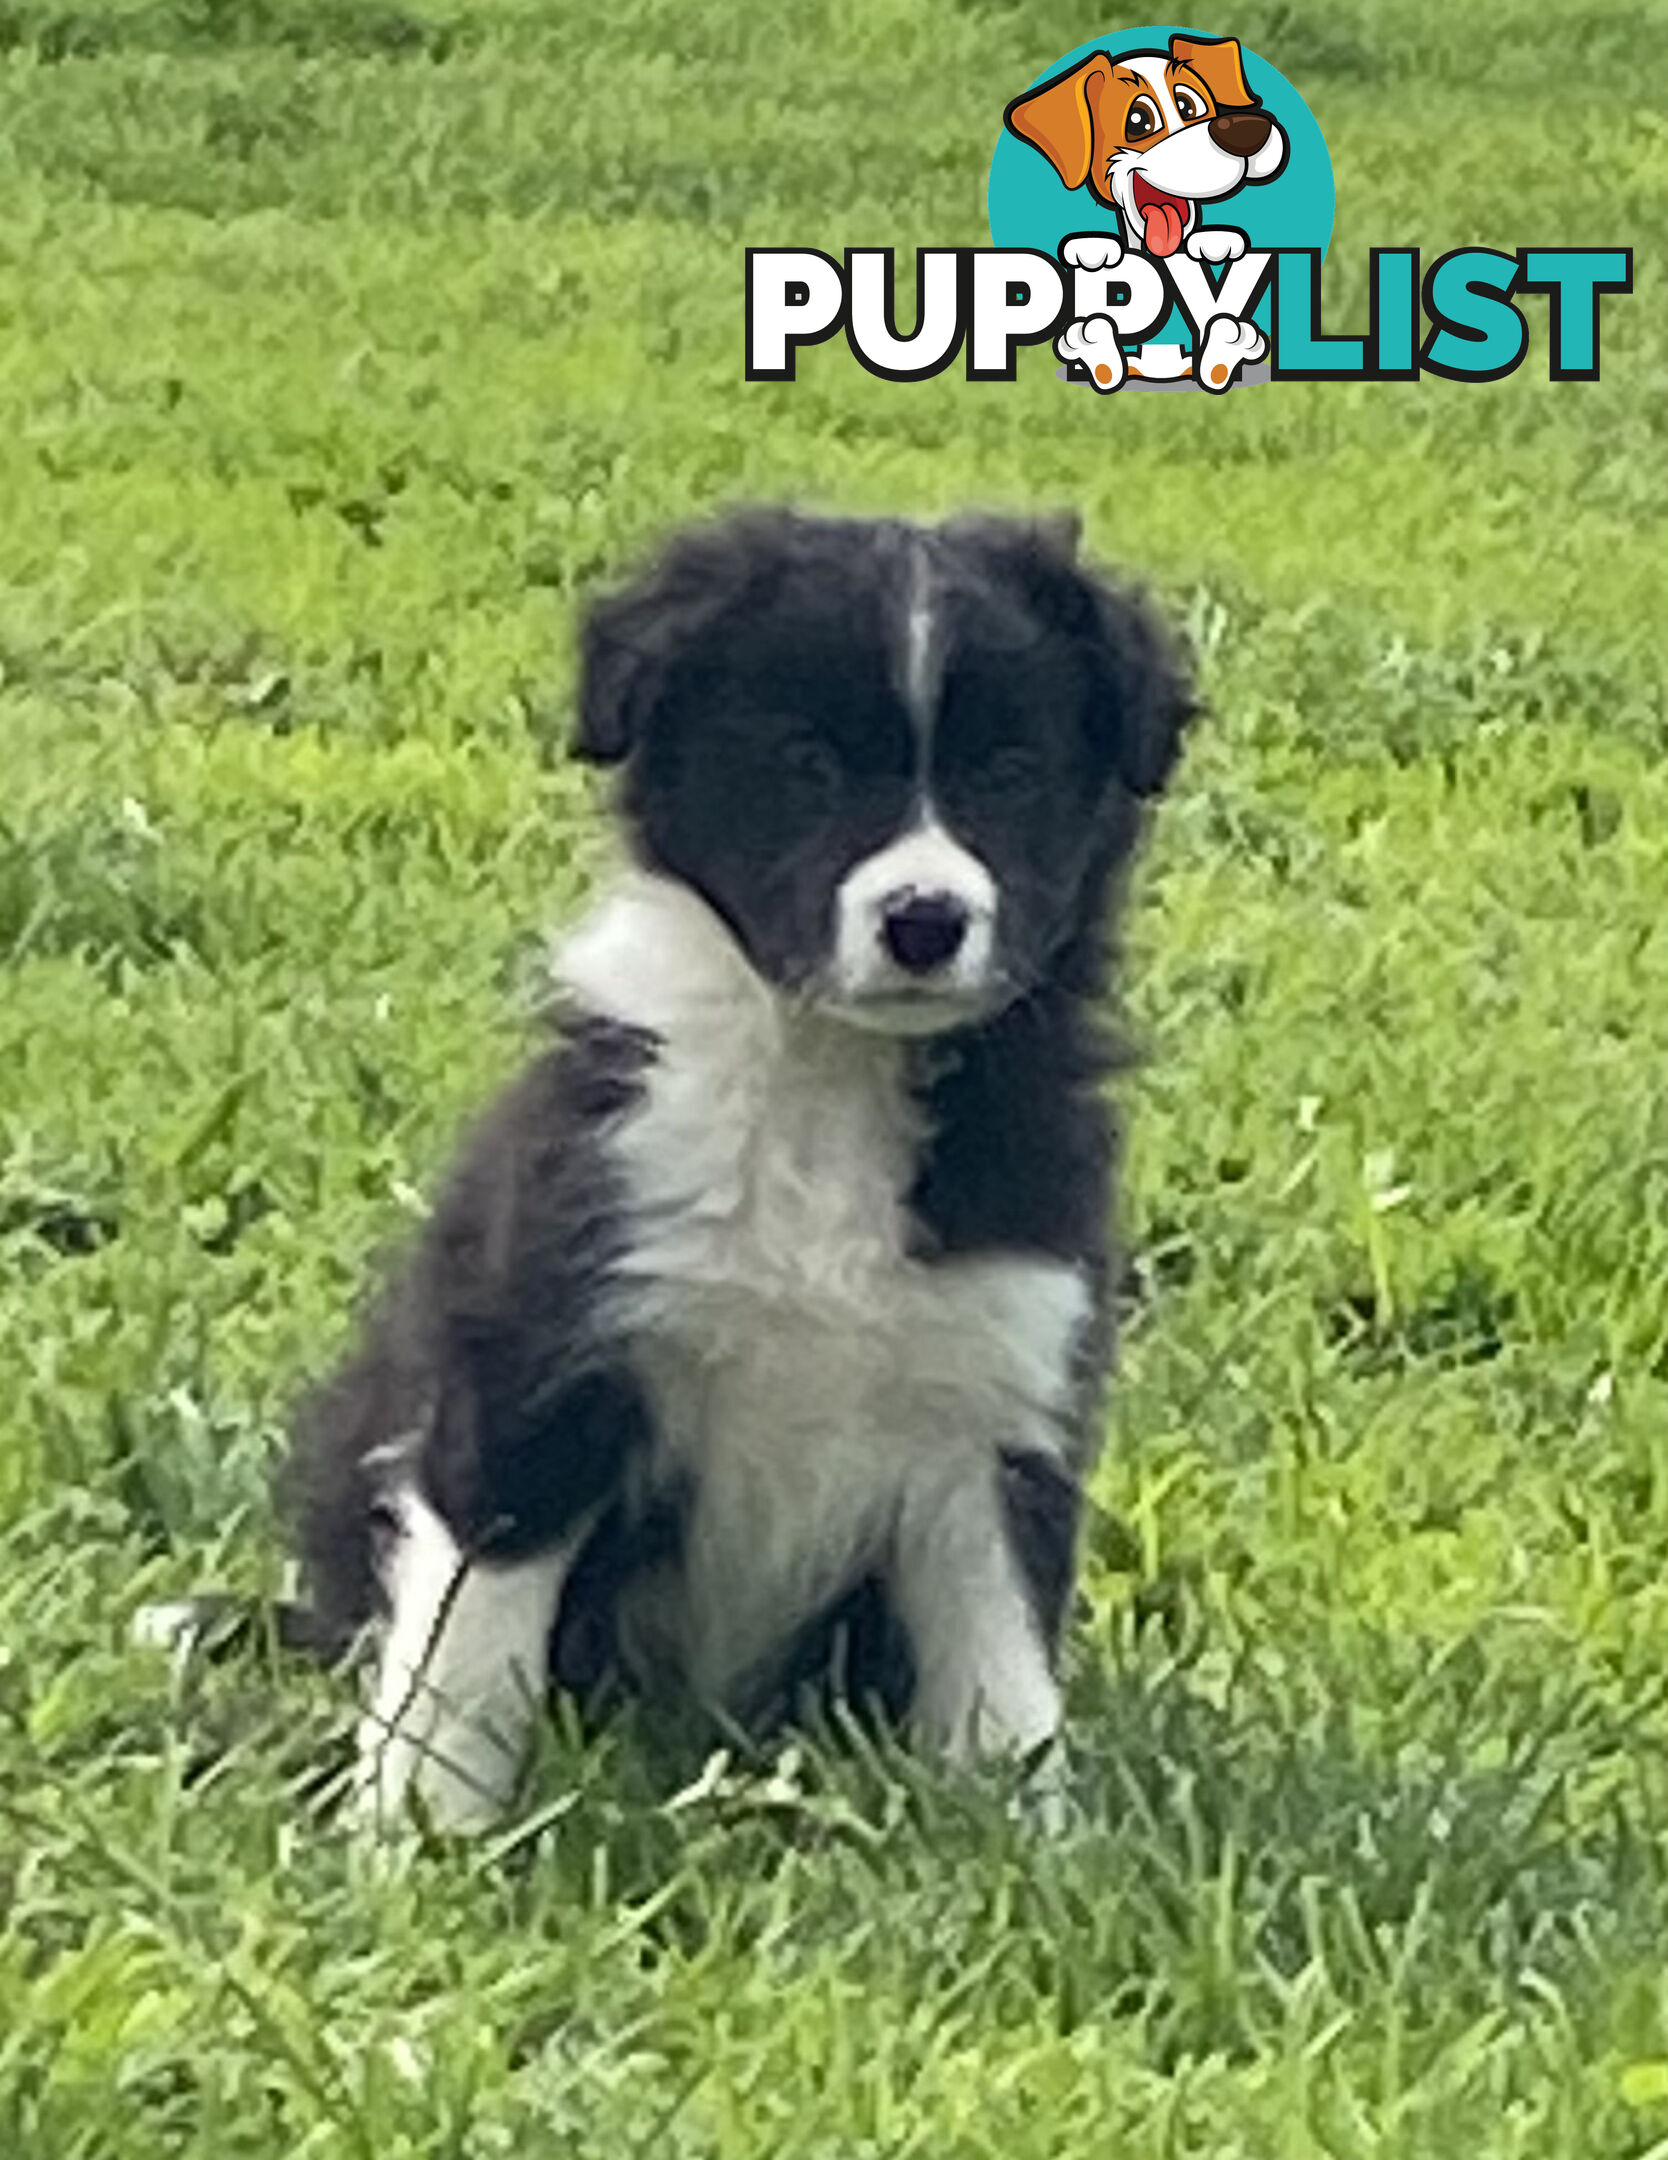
point(463, 1670)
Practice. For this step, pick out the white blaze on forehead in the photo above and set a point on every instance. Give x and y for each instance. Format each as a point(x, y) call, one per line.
point(921, 649)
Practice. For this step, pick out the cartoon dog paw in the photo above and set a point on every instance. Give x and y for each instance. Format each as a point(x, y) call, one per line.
point(1229, 345)
point(1093, 342)
point(1093, 251)
point(1216, 244)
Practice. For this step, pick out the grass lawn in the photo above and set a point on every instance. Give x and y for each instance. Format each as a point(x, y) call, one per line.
point(343, 346)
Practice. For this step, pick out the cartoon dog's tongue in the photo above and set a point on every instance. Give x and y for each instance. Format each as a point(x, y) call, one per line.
point(1164, 216)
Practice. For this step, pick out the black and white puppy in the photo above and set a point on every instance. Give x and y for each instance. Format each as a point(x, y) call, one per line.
point(759, 1334)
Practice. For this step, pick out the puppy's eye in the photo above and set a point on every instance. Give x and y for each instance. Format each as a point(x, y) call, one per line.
point(810, 772)
point(1013, 768)
point(1190, 107)
point(1142, 121)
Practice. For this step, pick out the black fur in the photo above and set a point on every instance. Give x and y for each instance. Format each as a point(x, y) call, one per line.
point(1043, 1503)
point(485, 1343)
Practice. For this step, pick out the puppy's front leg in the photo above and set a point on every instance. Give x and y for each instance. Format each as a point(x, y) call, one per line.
point(463, 1668)
point(984, 1678)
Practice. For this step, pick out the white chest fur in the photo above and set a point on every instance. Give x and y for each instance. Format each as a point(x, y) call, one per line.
point(817, 1379)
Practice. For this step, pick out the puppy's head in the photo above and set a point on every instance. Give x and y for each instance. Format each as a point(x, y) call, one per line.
point(1154, 134)
point(900, 763)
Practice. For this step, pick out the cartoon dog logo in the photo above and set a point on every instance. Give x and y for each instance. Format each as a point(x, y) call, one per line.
point(1154, 135)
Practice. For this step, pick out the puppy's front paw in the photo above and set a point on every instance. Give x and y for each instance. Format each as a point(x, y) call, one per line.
point(1043, 1800)
point(1229, 345)
point(1093, 343)
point(1093, 251)
point(1216, 244)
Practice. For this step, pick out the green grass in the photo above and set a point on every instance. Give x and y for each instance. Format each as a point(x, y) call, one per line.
point(342, 348)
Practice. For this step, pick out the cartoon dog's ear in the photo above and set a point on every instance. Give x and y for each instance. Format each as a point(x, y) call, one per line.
point(1058, 117)
point(1218, 64)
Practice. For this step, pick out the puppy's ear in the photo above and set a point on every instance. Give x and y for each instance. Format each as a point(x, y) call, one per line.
point(617, 668)
point(1145, 680)
point(1150, 696)
point(632, 639)
point(1058, 117)
point(1061, 531)
point(1144, 695)
point(1219, 66)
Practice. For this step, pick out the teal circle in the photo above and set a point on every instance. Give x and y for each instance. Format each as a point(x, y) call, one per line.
point(1031, 206)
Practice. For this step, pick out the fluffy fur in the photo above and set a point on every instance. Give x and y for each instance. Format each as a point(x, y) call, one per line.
point(759, 1334)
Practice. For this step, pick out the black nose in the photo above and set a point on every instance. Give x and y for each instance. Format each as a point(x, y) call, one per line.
point(1240, 132)
point(923, 930)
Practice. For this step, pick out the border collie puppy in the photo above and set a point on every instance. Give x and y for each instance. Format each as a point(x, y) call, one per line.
point(759, 1335)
